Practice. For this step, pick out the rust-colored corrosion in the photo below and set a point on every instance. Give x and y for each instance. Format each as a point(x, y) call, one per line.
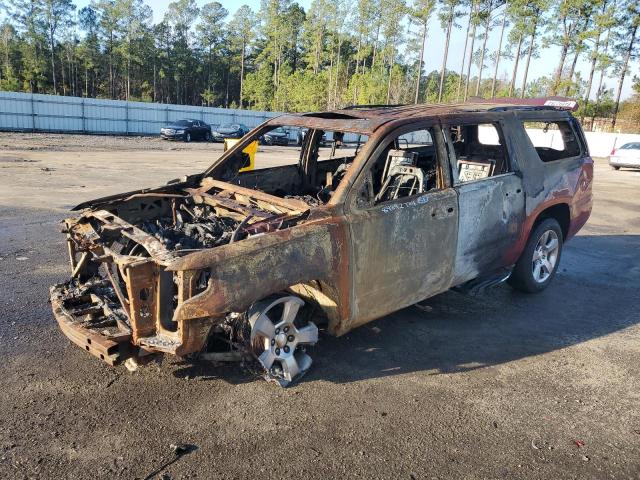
point(158, 270)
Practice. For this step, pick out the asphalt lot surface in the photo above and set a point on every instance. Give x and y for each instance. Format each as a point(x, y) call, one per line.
point(503, 385)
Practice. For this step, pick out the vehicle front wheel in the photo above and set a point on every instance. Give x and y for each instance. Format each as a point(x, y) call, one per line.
point(279, 336)
point(540, 259)
point(187, 137)
point(615, 168)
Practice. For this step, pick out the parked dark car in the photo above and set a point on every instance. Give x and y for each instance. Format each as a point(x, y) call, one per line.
point(230, 130)
point(278, 136)
point(187, 130)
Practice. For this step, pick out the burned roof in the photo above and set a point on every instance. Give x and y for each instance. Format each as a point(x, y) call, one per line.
point(367, 118)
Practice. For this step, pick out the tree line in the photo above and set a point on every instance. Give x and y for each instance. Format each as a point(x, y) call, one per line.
point(335, 53)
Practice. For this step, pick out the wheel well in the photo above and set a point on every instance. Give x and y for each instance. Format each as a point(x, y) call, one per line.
point(561, 213)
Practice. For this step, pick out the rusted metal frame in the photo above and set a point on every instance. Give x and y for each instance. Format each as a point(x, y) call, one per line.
point(125, 329)
point(126, 307)
point(80, 264)
point(83, 234)
point(288, 203)
point(143, 310)
point(112, 350)
point(71, 249)
point(352, 125)
point(309, 161)
point(260, 204)
point(186, 284)
point(269, 224)
point(172, 186)
point(154, 195)
point(227, 204)
point(154, 246)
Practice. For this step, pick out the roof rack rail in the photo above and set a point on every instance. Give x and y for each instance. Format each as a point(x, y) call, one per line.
point(558, 103)
point(356, 107)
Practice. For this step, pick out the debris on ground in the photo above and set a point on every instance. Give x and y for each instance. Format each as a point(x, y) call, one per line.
point(424, 308)
point(178, 450)
point(181, 448)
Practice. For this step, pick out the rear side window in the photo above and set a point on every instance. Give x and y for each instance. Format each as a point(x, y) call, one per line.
point(553, 140)
point(479, 151)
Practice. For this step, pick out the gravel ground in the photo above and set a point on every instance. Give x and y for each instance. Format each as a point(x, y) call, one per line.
point(58, 142)
point(503, 385)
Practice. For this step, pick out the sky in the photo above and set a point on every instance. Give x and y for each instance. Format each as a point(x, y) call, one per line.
point(544, 65)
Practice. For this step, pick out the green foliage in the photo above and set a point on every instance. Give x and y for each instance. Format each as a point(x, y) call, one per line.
point(333, 54)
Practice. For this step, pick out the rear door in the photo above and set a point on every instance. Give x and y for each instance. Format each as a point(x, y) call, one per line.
point(491, 201)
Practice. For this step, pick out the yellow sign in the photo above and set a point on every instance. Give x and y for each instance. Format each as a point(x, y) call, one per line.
point(250, 150)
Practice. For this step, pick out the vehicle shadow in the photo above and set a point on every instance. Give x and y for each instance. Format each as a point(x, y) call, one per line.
point(595, 293)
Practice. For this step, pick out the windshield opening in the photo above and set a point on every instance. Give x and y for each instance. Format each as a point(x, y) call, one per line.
point(303, 163)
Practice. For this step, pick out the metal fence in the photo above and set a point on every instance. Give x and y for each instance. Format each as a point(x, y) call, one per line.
point(53, 113)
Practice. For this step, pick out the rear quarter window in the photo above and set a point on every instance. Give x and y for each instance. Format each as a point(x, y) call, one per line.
point(553, 140)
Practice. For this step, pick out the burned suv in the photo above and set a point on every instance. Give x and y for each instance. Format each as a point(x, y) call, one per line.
point(415, 200)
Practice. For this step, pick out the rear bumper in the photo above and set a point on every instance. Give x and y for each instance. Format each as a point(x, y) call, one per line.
point(113, 349)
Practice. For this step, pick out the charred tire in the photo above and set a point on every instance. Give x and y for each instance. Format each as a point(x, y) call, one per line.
point(539, 261)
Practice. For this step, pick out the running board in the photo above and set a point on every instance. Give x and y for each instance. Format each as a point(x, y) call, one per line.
point(478, 285)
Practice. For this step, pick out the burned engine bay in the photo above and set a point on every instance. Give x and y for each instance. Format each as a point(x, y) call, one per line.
point(120, 300)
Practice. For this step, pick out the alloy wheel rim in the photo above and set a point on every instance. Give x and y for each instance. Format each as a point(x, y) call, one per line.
point(278, 343)
point(545, 256)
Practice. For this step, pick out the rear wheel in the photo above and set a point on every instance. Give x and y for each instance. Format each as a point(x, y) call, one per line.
point(615, 168)
point(208, 137)
point(540, 259)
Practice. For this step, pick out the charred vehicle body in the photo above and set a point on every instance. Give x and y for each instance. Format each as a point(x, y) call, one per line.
point(430, 197)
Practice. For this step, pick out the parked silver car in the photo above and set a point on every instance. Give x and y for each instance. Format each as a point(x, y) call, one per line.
point(628, 155)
